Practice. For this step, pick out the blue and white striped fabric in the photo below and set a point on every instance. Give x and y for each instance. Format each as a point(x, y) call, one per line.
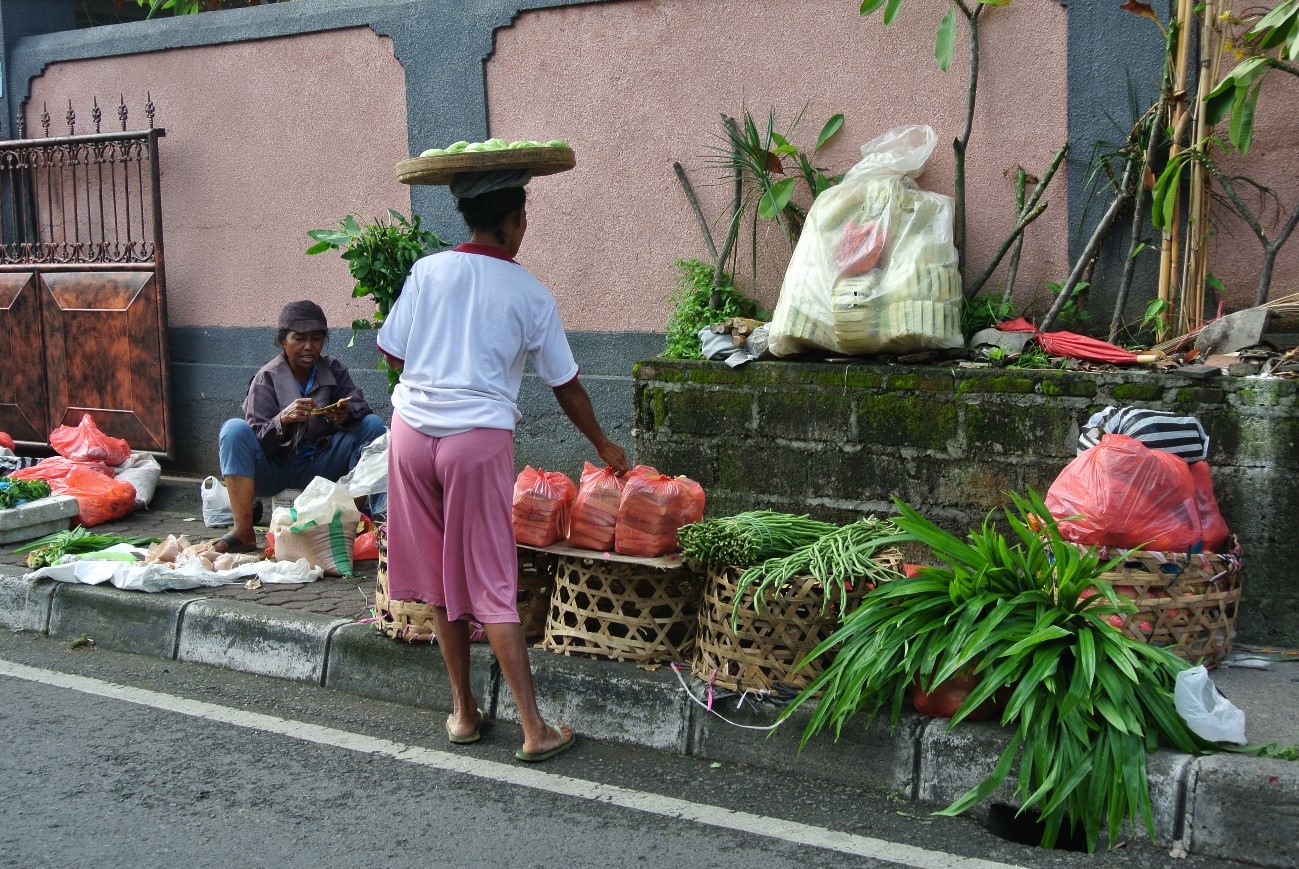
point(1158, 429)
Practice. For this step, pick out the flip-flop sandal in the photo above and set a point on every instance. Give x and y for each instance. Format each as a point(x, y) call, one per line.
point(234, 545)
point(466, 738)
point(539, 756)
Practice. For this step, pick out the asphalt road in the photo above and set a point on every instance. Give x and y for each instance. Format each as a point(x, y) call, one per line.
point(116, 760)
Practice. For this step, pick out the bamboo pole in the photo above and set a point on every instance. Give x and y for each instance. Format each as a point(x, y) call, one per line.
point(1170, 249)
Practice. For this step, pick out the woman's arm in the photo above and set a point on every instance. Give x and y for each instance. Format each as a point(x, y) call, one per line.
point(576, 404)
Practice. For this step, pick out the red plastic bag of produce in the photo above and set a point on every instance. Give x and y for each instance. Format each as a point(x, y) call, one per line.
point(86, 443)
point(6, 441)
point(651, 511)
point(100, 499)
point(542, 500)
point(595, 511)
point(57, 467)
point(1212, 525)
point(1123, 494)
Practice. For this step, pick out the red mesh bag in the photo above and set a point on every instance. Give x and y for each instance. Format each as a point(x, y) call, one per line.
point(542, 500)
point(651, 511)
point(1123, 494)
point(100, 499)
point(86, 443)
point(595, 511)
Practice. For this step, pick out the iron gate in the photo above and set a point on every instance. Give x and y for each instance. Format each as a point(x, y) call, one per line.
point(83, 306)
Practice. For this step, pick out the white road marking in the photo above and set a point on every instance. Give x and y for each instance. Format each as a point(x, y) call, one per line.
point(656, 804)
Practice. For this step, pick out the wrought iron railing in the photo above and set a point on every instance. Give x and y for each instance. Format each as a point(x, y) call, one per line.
point(88, 199)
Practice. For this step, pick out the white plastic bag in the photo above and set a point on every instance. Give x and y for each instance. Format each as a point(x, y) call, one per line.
point(875, 268)
point(143, 472)
point(1205, 710)
point(370, 476)
point(320, 527)
point(216, 503)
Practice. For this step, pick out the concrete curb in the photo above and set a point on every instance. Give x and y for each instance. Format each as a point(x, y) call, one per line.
point(1229, 806)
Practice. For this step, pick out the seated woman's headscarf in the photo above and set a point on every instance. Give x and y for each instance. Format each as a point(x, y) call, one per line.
point(467, 185)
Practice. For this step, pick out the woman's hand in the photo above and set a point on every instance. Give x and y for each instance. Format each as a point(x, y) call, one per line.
point(297, 412)
point(338, 412)
point(613, 456)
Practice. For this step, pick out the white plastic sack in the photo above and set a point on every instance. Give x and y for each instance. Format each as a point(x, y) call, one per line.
point(216, 503)
point(320, 527)
point(370, 476)
point(143, 472)
point(875, 269)
point(1205, 710)
point(184, 574)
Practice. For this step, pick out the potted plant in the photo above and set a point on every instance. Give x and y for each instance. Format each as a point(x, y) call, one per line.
point(1027, 615)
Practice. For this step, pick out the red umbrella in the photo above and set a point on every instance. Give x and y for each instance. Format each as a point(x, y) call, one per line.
point(1071, 344)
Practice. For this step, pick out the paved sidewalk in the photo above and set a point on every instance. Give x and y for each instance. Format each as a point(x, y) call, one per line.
point(1229, 806)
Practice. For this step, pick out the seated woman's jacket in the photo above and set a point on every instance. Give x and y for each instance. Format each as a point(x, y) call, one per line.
point(274, 387)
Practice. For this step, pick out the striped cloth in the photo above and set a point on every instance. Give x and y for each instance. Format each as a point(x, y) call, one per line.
point(1158, 429)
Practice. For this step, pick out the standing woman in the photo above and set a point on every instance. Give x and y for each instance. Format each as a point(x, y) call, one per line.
point(466, 321)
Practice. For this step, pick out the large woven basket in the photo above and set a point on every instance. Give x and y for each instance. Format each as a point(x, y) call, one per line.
point(768, 649)
point(622, 610)
point(1187, 603)
point(412, 621)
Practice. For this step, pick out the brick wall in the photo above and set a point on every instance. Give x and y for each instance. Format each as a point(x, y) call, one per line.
point(840, 440)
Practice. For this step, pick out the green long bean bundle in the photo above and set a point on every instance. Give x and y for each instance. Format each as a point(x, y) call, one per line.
point(843, 558)
point(749, 538)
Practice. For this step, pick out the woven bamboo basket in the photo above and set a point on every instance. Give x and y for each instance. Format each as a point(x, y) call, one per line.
point(768, 648)
point(412, 621)
point(1187, 603)
point(622, 610)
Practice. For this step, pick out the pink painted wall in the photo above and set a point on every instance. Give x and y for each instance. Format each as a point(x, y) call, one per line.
point(636, 85)
point(265, 140)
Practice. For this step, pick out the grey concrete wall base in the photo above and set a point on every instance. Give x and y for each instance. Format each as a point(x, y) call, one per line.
point(363, 662)
point(124, 621)
point(1241, 808)
point(954, 761)
point(257, 639)
point(603, 700)
point(865, 755)
point(25, 606)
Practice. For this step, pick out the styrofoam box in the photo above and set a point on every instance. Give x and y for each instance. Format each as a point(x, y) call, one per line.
point(36, 518)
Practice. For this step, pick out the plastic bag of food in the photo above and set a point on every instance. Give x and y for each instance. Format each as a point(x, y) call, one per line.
point(1205, 710)
point(595, 510)
point(86, 443)
point(216, 503)
point(320, 527)
point(652, 509)
point(100, 498)
point(57, 468)
point(875, 268)
point(542, 500)
point(1213, 528)
point(1123, 494)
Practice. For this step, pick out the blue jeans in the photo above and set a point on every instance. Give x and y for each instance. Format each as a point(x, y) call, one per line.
point(242, 455)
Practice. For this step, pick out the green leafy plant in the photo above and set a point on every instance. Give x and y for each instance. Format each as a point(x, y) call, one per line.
point(51, 548)
point(193, 7)
point(982, 311)
point(379, 256)
point(697, 303)
point(1026, 616)
point(1154, 318)
point(14, 492)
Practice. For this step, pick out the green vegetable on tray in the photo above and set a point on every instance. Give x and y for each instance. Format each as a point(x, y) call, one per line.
point(14, 492)
point(749, 538)
point(463, 147)
point(843, 559)
point(51, 548)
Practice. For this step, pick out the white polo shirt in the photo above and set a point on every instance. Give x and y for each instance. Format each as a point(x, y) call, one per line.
point(466, 321)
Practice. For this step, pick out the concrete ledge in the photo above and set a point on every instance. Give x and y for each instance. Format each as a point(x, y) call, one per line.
point(124, 621)
point(865, 755)
point(361, 661)
point(608, 700)
point(1243, 808)
point(257, 639)
point(25, 606)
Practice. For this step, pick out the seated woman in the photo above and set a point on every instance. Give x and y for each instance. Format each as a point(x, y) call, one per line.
point(303, 418)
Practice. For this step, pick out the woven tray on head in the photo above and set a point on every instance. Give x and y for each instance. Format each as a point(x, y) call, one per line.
point(622, 610)
point(1187, 603)
point(443, 168)
point(767, 649)
point(412, 620)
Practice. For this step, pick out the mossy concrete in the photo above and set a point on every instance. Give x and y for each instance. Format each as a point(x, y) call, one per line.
point(842, 440)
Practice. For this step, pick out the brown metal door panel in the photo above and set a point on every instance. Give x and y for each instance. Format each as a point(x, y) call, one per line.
point(23, 411)
point(104, 353)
